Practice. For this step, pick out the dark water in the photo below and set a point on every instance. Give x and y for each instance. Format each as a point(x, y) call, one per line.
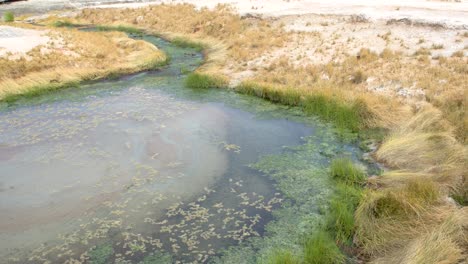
point(141, 169)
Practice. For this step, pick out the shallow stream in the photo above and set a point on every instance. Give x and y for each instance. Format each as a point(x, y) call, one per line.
point(143, 170)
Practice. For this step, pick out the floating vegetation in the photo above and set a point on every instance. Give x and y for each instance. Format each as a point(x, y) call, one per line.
point(231, 147)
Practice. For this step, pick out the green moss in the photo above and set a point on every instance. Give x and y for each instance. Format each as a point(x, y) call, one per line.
point(321, 249)
point(101, 254)
point(204, 81)
point(343, 170)
point(8, 16)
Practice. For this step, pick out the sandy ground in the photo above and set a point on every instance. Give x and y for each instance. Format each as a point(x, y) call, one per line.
point(18, 41)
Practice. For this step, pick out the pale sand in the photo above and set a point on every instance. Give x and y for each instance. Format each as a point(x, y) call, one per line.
point(19, 41)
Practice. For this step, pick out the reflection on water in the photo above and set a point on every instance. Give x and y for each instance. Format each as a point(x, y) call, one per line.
point(139, 170)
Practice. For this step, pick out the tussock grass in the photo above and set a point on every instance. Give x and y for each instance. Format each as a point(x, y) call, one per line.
point(283, 257)
point(343, 170)
point(320, 248)
point(204, 81)
point(425, 144)
point(120, 28)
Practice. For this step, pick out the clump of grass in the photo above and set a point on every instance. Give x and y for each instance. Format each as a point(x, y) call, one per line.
point(406, 201)
point(437, 46)
point(340, 219)
point(422, 52)
point(328, 108)
point(120, 28)
point(320, 248)
point(63, 23)
point(283, 257)
point(186, 43)
point(343, 170)
point(358, 77)
point(100, 254)
point(204, 81)
point(8, 16)
point(367, 55)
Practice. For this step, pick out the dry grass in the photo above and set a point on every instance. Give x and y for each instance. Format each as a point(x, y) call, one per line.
point(74, 56)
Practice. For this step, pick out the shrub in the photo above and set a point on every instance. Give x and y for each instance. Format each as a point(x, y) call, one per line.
point(343, 170)
point(203, 81)
point(8, 16)
point(321, 249)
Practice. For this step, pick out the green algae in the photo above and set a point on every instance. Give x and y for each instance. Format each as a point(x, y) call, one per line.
point(157, 258)
point(101, 254)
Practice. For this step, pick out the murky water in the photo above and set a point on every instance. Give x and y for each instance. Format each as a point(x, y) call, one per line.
point(142, 169)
